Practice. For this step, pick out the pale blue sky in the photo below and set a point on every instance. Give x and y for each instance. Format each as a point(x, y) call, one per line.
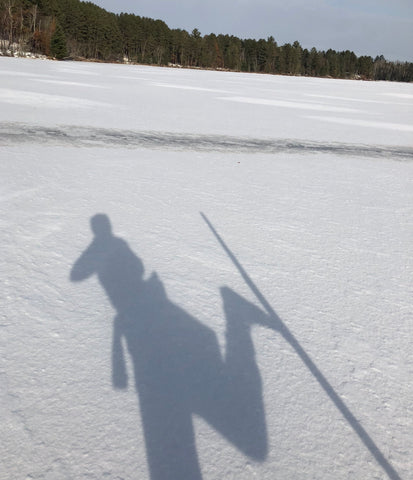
point(367, 27)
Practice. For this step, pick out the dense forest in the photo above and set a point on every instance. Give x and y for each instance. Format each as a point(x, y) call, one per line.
point(82, 30)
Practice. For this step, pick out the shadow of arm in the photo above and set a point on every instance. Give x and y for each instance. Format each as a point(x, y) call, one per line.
point(85, 266)
point(119, 374)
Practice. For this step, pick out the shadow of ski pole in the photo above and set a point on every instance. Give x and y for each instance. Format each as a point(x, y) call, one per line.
point(318, 375)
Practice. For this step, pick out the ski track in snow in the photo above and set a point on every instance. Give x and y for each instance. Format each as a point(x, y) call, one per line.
point(27, 98)
point(281, 351)
point(400, 127)
point(14, 133)
point(289, 104)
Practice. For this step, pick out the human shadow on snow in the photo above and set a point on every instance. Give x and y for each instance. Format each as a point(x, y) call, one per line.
point(179, 370)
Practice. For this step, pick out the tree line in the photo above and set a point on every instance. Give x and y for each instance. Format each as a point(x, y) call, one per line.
point(82, 30)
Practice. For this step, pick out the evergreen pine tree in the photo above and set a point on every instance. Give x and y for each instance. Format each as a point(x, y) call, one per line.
point(58, 43)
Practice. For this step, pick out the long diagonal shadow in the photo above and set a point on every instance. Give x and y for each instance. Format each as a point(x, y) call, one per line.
point(277, 324)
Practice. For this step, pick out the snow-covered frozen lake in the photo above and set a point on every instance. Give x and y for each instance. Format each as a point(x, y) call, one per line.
point(274, 340)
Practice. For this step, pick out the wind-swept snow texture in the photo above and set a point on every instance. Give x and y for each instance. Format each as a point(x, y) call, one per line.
point(270, 337)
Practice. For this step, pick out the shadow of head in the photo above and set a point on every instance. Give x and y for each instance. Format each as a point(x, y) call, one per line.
point(100, 225)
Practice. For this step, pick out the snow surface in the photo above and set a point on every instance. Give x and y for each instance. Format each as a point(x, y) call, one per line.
point(278, 347)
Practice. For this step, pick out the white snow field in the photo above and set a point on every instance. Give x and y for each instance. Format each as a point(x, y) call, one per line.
point(269, 338)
